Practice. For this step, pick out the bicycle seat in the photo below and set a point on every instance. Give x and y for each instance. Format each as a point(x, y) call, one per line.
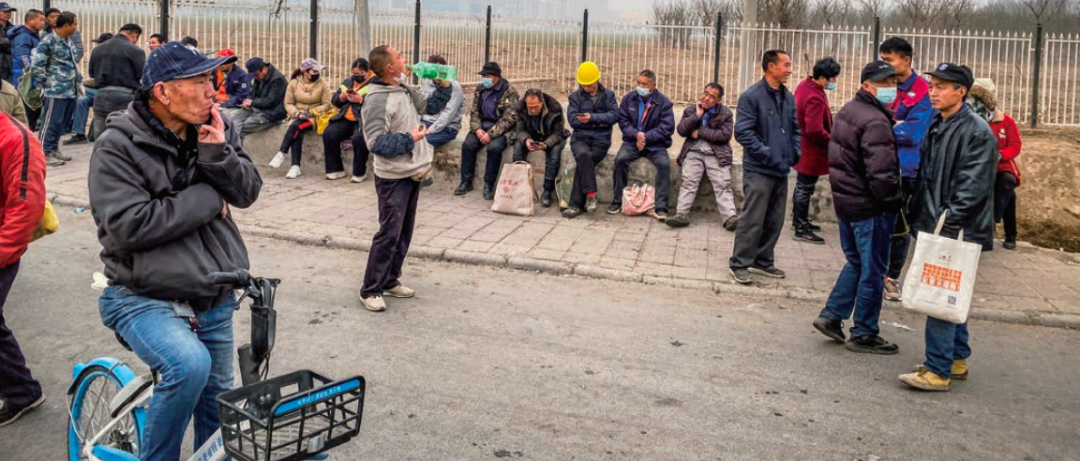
point(122, 342)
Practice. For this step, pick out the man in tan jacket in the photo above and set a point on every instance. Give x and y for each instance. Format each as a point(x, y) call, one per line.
point(11, 103)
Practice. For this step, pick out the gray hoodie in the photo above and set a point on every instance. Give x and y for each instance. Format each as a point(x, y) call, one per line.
point(159, 217)
point(450, 116)
point(390, 113)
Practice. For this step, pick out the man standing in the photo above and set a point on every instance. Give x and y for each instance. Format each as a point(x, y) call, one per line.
point(913, 114)
point(707, 127)
point(393, 131)
point(116, 67)
point(157, 40)
point(162, 178)
point(11, 102)
point(541, 127)
point(84, 102)
point(491, 124)
point(24, 39)
point(865, 177)
point(266, 105)
point(22, 170)
point(769, 133)
point(55, 70)
point(647, 122)
point(957, 166)
point(6, 12)
point(231, 85)
point(592, 113)
point(815, 124)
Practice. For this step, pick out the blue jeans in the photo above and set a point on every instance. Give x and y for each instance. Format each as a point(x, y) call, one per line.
point(945, 342)
point(859, 288)
point(82, 111)
point(195, 366)
point(442, 137)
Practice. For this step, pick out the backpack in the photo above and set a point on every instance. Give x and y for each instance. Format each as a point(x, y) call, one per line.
point(31, 95)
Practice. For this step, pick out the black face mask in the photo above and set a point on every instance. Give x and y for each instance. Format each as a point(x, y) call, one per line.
point(314, 78)
point(358, 78)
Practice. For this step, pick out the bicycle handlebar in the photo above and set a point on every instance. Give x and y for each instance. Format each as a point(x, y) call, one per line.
point(237, 278)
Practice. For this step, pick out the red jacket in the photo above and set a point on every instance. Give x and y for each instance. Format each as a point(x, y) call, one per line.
point(815, 124)
point(22, 169)
point(1008, 136)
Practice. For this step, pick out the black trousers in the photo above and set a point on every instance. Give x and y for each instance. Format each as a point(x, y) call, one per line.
point(800, 202)
point(1005, 202)
point(32, 117)
point(294, 140)
point(587, 153)
point(761, 222)
point(552, 161)
point(337, 132)
point(901, 240)
point(397, 217)
point(469, 150)
point(17, 386)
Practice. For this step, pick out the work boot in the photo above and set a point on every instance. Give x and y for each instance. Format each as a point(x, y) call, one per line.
point(546, 198)
point(489, 191)
point(590, 203)
point(679, 220)
point(925, 380)
point(892, 290)
point(572, 212)
point(871, 344)
point(959, 370)
point(11, 413)
point(834, 329)
point(77, 138)
point(463, 188)
point(808, 237)
point(773, 272)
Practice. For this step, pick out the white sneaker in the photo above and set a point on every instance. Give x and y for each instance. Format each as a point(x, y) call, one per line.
point(279, 158)
point(400, 291)
point(294, 172)
point(374, 304)
point(359, 179)
point(335, 176)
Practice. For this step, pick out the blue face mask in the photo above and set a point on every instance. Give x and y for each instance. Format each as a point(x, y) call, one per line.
point(487, 82)
point(643, 92)
point(831, 86)
point(886, 95)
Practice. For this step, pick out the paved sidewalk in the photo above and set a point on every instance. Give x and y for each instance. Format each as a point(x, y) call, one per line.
point(1031, 285)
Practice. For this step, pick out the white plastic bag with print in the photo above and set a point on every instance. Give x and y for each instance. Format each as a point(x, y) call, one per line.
point(941, 278)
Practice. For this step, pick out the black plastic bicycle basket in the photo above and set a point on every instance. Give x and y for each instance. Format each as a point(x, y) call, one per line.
point(290, 417)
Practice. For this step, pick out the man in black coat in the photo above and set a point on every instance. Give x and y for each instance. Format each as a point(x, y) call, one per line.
point(541, 127)
point(957, 168)
point(266, 105)
point(864, 172)
point(116, 66)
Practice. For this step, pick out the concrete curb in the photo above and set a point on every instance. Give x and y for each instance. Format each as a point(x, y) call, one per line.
point(1053, 320)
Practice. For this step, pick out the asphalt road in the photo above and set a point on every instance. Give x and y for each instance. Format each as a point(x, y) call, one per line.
point(488, 364)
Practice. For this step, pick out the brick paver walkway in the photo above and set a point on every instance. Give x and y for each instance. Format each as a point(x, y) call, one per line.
point(1029, 283)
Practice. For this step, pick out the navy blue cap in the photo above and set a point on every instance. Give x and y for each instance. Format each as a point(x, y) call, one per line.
point(6, 7)
point(254, 65)
point(954, 73)
point(175, 60)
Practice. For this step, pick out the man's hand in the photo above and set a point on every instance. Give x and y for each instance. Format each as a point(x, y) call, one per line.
point(541, 146)
point(419, 132)
point(694, 134)
point(246, 104)
point(641, 138)
point(584, 118)
point(698, 109)
point(641, 145)
point(485, 138)
point(529, 144)
point(214, 131)
point(224, 209)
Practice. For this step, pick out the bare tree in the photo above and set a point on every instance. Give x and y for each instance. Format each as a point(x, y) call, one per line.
point(832, 13)
point(871, 9)
point(706, 11)
point(953, 13)
point(670, 18)
point(787, 14)
point(1044, 9)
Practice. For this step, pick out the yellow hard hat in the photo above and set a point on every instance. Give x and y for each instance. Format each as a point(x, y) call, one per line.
point(588, 73)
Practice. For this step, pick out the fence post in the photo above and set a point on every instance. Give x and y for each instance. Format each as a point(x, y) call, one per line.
point(877, 38)
point(314, 45)
point(1036, 77)
point(45, 5)
point(585, 37)
point(716, 47)
point(416, 42)
point(487, 37)
point(164, 17)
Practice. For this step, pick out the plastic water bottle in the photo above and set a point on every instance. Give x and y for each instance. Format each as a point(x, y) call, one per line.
point(434, 71)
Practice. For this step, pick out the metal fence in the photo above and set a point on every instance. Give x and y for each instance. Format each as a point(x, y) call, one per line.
point(1029, 83)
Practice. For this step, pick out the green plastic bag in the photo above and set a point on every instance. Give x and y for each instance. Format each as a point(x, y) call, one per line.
point(31, 96)
point(564, 186)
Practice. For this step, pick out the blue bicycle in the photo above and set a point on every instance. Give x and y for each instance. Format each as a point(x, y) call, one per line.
point(296, 416)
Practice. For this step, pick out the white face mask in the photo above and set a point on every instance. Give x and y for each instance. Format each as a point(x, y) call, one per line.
point(402, 79)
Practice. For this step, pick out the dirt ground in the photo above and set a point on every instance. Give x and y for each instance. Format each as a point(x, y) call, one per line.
point(1048, 200)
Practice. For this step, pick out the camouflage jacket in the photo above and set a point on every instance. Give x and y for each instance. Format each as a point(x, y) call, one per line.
point(55, 69)
point(507, 115)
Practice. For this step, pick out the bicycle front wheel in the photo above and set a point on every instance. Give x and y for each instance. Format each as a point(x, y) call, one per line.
point(93, 389)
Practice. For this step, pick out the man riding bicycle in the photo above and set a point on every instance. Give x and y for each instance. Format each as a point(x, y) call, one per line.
point(162, 178)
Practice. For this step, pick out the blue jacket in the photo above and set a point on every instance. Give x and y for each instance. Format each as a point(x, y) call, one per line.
point(659, 124)
point(767, 131)
point(237, 86)
point(912, 107)
point(604, 110)
point(23, 41)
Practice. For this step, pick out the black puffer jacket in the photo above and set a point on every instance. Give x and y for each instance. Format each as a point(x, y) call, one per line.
point(552, 127)
point(957, 164)
point(864, 171)
point(268, 95)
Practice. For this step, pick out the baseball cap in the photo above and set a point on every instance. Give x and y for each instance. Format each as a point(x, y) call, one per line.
point(877, 71)
point(254, 65)
point(225, 52)
point(954, 73)
point(6, 7)
point(174, 60)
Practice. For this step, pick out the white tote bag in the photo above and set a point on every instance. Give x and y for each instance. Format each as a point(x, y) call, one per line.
point(941, 279)
point(516, 192)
